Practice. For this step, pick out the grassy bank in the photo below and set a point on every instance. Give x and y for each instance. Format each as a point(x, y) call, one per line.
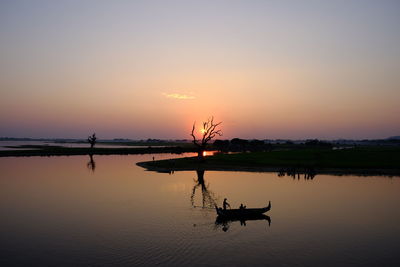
point(40, 150)
point(379, 160)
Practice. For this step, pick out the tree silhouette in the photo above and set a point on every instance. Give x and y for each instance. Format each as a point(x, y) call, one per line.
point(209, 132)
point(92, 140)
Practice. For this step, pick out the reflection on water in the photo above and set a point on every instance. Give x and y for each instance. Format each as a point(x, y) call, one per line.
point(225, 223)
point(306, 173)
point(91, 165)
point(208, 199)
point(57, 213)
point(10, 145)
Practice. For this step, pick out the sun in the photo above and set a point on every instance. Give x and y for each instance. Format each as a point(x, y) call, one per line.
point(203, 131)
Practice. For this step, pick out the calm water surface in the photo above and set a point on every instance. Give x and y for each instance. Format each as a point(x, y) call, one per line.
point(71, 211)
point(4, 145)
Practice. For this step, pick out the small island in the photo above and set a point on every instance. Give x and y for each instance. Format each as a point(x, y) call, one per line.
point(373, 160)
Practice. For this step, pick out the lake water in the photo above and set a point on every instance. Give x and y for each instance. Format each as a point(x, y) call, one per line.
point(71, 211)
point(4, 145)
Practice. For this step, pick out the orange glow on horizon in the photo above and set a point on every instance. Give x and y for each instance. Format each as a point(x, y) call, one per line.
point(144, 82)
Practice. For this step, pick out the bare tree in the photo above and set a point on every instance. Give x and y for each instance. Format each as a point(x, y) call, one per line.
point(92, 140)
point(209, 132)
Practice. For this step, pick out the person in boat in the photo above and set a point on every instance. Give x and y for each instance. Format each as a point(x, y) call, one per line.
point(225, 204)
point(242, 207)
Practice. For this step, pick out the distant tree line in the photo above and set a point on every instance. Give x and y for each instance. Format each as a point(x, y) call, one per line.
point(239, 145)
point(242, 145)
point(318, 143)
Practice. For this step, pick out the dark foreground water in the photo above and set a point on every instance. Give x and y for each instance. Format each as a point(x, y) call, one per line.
point(58, 211)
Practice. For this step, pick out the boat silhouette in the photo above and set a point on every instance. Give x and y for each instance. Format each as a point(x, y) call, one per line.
point(241, 213)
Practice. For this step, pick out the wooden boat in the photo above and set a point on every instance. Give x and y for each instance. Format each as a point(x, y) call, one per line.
point(237, 213)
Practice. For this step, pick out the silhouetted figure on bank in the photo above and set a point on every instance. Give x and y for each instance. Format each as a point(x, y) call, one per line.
point(225, 204)
point(242, 207)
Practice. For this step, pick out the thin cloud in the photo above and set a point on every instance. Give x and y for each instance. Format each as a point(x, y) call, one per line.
point(178, 96)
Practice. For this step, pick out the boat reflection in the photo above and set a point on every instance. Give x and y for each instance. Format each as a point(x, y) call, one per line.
point(225, 223)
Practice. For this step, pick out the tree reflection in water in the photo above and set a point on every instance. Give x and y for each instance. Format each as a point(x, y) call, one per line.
point(91, 165)
point(208, 198)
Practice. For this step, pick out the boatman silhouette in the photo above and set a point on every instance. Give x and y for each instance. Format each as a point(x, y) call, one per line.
point(225, 204)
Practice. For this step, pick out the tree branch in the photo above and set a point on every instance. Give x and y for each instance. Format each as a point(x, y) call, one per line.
point(209, 132)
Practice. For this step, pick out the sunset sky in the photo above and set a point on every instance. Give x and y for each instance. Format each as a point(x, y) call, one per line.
point(149, 69)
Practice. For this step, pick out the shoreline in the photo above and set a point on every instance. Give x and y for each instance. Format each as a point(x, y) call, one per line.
point(366, 161)
point(172, 165)
point(48, 151)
